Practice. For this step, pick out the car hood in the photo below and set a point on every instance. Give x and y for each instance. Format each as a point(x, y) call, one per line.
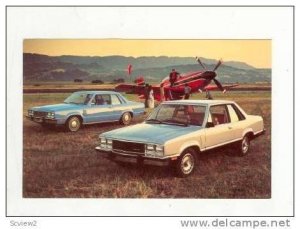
point(150, 133)
point(56, 107)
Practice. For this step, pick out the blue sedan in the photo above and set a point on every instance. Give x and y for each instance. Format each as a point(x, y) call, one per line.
point(87, 107)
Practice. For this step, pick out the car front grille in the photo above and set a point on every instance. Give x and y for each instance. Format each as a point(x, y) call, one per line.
point(40, 114)
point(128, 147)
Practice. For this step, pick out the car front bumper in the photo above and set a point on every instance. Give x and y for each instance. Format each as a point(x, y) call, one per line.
point(42, 120)
point(134, 158)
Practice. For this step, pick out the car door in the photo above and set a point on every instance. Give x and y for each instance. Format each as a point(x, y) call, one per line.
point(117, 106)
point(100, 109)
point(221, 132)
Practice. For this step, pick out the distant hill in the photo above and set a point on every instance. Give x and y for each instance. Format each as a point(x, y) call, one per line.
point(67, 68)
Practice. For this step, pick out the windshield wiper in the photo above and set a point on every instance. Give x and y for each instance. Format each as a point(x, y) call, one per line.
point(176, 122)
point(153, 120)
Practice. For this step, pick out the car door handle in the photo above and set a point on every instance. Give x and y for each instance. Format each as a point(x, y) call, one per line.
point(229, 127)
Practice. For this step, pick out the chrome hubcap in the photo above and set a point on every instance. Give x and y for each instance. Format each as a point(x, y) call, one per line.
point(74, 123)
point(245, 145)
point(187, 163)
point(126, 117)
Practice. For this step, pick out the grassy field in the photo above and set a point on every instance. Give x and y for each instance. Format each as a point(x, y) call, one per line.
point(62, 164)
point(67, 87)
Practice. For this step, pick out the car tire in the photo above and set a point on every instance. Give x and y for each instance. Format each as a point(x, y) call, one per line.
point(73, 124)
point(185, 165)
point(126, 118)
point(243, 146)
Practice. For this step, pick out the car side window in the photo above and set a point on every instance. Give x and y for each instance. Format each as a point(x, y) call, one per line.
point(87, 98)
point(233, 115)
point(219, 114)
point(238, 112)
point(115, 100)
point(100, 99)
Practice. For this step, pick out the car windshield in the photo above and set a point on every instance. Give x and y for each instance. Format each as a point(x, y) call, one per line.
point(79, 98)
point(178, 114)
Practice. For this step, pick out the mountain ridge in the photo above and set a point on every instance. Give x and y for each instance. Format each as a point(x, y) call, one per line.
point(69, 67)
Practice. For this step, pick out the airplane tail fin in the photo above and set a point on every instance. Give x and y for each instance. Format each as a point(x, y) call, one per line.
point(129, 69)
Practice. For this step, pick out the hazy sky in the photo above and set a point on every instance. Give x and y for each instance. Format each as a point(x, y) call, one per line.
point(254, 52)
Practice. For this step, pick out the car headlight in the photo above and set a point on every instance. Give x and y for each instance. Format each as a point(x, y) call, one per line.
point(108, 143)
point(102, 142)
point(153, 150)
point(105, 143)
point(51, 115)
point(30, 112)
point(159, 150)
point(150, 147)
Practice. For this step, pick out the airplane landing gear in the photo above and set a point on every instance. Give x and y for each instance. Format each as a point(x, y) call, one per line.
point(208, 95)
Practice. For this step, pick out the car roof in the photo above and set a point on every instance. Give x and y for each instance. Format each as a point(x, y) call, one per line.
point(98, 92)
point(200, 102)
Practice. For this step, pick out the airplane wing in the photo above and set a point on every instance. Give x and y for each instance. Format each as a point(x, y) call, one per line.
point(215, 87)
point(130, 88)
point(138, 90)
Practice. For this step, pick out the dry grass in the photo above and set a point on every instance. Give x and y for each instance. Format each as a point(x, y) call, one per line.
point(61, 164)
point(67, 86)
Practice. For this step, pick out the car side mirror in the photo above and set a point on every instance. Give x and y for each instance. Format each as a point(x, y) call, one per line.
point(210, 124)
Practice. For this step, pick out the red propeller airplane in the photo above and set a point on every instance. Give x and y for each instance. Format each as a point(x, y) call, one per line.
point(198, 81)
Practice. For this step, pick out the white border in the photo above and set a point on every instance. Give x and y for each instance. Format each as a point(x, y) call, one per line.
point(168, 22)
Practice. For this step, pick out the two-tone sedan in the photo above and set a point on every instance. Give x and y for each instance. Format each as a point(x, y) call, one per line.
point(176, 131)
point(87, 107)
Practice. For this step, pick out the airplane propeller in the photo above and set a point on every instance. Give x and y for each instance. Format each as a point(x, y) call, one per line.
point(218, 65)
point(199, 61)
point(219, 85)
point(211, 75)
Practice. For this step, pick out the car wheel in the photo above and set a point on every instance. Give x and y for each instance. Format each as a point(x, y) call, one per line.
point(126, 118)
point(73, 124)
point(244, 146)
point(186, 163)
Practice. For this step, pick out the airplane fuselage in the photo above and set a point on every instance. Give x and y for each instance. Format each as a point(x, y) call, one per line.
point(195, 80)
